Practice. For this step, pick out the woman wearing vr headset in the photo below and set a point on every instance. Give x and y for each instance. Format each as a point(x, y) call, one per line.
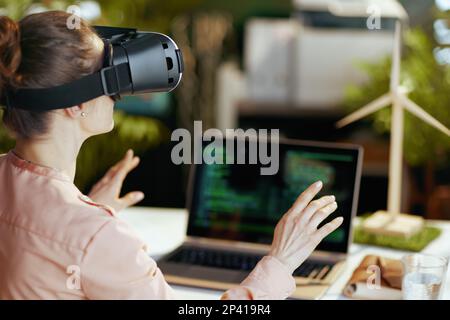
point(55, 242)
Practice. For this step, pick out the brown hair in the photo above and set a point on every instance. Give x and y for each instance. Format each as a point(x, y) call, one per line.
point(41, 51)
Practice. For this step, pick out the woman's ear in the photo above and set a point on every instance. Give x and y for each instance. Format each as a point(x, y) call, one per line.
point(76, 111)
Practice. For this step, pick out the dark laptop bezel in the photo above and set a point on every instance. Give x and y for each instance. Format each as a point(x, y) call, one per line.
point(354, 150)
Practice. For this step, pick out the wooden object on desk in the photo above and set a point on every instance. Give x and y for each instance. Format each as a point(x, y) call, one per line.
point(401, 225)
point(362, 284)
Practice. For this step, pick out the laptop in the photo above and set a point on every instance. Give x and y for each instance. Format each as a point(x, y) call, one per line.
point(233, 210)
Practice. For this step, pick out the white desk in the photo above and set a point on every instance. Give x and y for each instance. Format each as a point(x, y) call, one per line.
point(164, 229)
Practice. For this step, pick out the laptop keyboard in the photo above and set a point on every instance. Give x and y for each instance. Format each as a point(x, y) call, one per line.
point(312, 269)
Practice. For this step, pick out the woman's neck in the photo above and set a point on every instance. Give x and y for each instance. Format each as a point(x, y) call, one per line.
point(55, 153)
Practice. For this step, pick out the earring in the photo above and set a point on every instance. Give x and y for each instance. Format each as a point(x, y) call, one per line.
point(83, 114)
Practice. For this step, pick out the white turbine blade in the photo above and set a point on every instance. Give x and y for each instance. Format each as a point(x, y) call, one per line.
point(396, 57)
point(423, 115)
point(369, 108)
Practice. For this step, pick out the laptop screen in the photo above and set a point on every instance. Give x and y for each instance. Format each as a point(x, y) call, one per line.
point(236, 202)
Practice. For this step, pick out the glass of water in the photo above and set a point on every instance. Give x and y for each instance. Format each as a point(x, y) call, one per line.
point(423, 276)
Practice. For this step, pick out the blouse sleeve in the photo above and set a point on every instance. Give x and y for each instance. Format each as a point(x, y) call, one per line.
point(270, 279)
point(117, 266)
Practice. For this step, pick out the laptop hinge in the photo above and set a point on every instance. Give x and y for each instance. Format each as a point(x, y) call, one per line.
point(254, 247)
point(227, 244)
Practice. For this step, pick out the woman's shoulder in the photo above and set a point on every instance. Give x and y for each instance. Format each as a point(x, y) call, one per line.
point(81, 219)
point(99, 208)
point(57, 212)
point(47, 207)
point(88, 221)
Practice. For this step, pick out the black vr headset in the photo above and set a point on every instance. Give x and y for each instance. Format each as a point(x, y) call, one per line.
point(134, 62)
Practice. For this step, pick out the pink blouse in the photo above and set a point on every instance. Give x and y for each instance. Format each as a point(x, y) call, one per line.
point(55, 243)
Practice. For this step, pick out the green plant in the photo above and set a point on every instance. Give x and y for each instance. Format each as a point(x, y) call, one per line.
point(6, 143)
point(429, 83)
point(16, 9)
point(100, 152)
point(144, 14)
point(414, 243)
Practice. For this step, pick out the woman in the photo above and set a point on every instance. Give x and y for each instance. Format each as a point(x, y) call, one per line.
point(56, 243)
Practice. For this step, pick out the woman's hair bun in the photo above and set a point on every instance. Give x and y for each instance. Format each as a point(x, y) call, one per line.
point(10, 53)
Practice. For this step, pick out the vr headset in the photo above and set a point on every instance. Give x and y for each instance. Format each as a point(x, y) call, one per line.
point(134, 62)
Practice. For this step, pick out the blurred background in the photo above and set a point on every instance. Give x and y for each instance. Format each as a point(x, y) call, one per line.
point(296, 65)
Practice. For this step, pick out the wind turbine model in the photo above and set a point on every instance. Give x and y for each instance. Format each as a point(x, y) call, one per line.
point(393, 222)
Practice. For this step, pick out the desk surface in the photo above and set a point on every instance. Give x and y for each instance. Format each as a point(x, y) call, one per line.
point(164, 230)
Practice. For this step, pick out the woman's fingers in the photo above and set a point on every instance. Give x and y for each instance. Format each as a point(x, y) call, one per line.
point(112, 172)
point(131, 199)
point(122, 162)
point(321, 215)
point(296, 234)
point(315, 206)
point(321, 233)
point(121, 165)
point(126, 165)
point(118, 173)
point(306, 196)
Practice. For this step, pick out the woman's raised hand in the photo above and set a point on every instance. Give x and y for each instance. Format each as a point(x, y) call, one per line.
point(107, 190)
point(296, 234)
